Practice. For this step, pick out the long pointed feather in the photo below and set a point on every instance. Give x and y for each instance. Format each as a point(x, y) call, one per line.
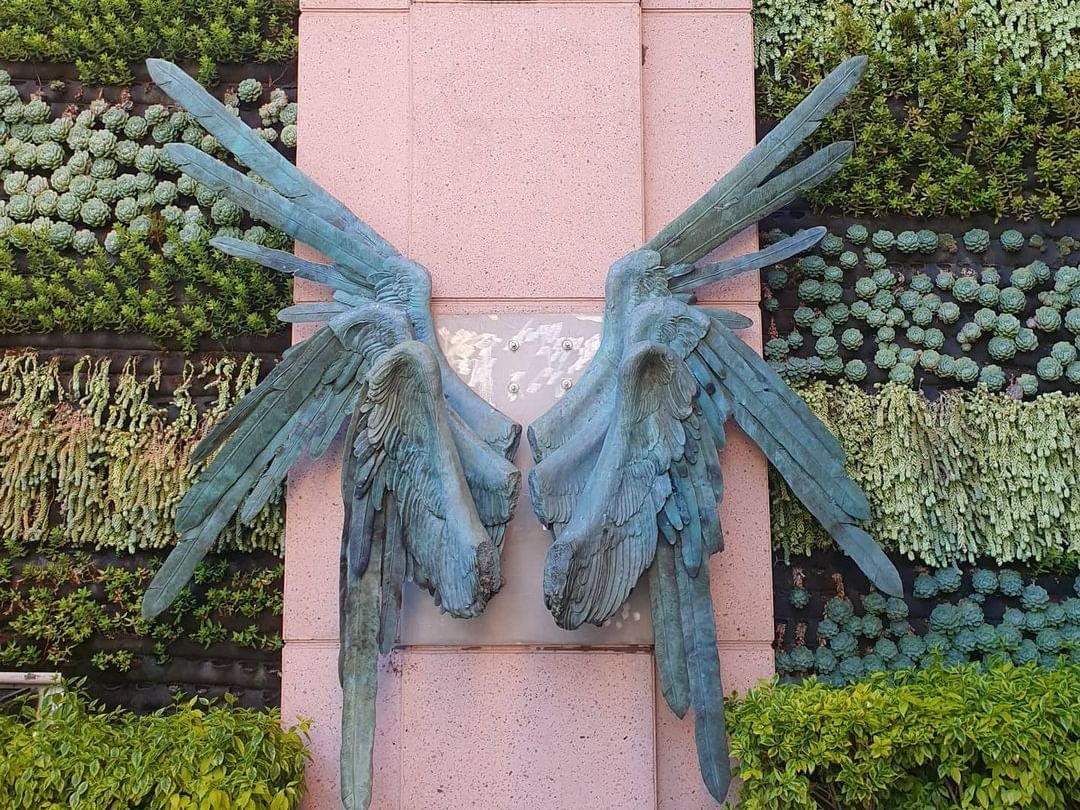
point(706, 689)
point(729, 268)
point(358, 663)
point(722, 223)
point(393, 577)
point(271, 207)
point(311, 312)
point(670, 650)
point(292, 265)
point(257, 154)
point(764, 158)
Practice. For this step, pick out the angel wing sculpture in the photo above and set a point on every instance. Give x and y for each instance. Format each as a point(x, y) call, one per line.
point(627, 473)
point(426, 481)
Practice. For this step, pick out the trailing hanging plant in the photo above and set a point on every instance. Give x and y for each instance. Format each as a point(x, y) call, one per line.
point(105, 38)
point(1034, 33)
point(971, 475)
point(103, 464)
point(939, 127)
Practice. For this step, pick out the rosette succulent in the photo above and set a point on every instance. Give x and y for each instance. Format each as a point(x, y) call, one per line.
point(976, 240)
point(882, 240)
point(95, 213)
point(926, 587)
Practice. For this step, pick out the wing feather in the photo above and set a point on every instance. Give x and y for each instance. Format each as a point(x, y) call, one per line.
point(610, 541)
point(258, 155)
point(403, 422)
point(713, 218)
point(299, 406)
point(291, 265)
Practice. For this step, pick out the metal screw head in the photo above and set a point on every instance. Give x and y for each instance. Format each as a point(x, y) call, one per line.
point(567, 344)
point(514, 345)
point(567, 384)
point(513, 388)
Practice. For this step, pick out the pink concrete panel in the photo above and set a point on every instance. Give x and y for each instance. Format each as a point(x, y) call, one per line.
point(678, 780)
point(310, 690)
point(526, 171)
point(742, 572)
point(721, 6)
point(525, 730)
point(352, 5)
point(353, 129)
point(314, 516)
point(698, 98)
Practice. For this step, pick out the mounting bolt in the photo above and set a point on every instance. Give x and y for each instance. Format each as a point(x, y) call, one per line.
point(513, 388)
point(567, 384)
point(568, 344)
point(514, 345)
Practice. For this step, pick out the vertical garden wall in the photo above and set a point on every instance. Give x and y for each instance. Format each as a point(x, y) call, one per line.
point(125, 337)
point(935, 329)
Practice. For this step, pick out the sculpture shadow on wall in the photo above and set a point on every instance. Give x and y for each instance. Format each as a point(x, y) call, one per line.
point(627, 475)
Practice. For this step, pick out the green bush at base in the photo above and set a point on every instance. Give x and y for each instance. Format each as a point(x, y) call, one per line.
point(924, 739)
point(194, 755)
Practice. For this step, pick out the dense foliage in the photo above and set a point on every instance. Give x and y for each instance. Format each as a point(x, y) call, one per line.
point(971, 475)
point(948, 615)
point(58, 604)
point(870, 303)
point(194, 755)
point(97, 459)
point(105, 38)
point(940, 127)
point(100, 231)
point(938, 738)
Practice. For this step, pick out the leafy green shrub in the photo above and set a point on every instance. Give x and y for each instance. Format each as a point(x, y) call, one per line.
point(105, 37)
point(917, 740)
point(194, 755)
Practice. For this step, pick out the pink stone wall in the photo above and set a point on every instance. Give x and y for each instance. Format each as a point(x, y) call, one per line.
point(516, 150)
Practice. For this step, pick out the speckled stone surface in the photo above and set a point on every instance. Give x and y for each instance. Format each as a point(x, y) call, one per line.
point(315, 695)
point(678, 781)
point(552, 730)
point(359, 148)
point(698, 97)
point(526, 173)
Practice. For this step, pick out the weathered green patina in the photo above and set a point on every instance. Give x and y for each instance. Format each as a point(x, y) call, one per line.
point(426, 481)
point(627, 473)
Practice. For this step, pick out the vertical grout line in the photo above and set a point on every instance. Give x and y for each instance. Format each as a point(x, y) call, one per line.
point(641, 113)
point(410, 126)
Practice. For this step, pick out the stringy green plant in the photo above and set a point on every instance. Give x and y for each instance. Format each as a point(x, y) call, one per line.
point(939, 128)
point(1034, 33)
point(104, 464)
point(106, 38)
point(971, 475)
point(56, 599)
